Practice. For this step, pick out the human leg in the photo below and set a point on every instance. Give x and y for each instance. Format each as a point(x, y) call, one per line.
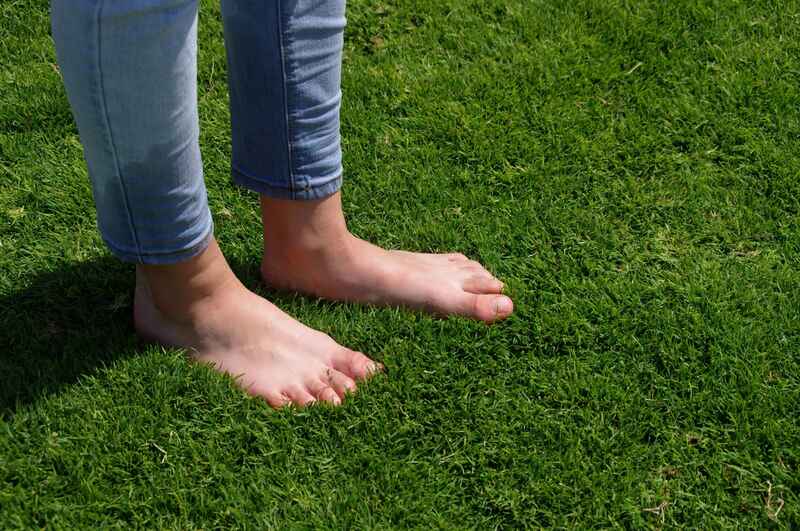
point(285, 97)
point(129, 69)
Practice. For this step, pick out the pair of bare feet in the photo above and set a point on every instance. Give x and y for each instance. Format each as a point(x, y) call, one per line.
point(201, 305)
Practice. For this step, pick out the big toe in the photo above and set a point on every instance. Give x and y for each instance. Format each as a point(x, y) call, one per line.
point(487, 308)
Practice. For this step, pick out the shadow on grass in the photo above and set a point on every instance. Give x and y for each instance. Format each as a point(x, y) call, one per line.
point(73, 321)
point(64, 324)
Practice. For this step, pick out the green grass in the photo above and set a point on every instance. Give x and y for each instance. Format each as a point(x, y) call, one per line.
point(631, 169)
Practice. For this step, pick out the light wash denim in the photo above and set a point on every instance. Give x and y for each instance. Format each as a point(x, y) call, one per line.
point(130, 67)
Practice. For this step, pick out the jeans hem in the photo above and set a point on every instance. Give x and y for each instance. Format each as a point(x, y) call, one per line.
point(167, 257)
point(307, 192)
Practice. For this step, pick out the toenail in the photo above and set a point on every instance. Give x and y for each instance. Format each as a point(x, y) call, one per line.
point(502, 305)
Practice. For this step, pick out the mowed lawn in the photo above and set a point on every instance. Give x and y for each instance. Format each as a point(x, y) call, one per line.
point(631, 169)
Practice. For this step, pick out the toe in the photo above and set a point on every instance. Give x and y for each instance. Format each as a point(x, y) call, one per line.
point(323, 391)
point(330, 396)
point(486, 308)
point(300, 396)
point(472, 264)
point(277, 400)
point(479, 284)
point(355, 364)
point(456, 257)
point(340, 382)
point(473, 267)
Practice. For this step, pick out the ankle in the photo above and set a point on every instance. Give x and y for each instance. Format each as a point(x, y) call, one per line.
point(180, 291)
point(302, 249)
point(295, 229)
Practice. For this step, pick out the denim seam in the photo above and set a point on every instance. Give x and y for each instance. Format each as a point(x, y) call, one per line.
point(260, 185)
point(163, 258)
point(316, 192)
point(107, 125)
point(279, 18)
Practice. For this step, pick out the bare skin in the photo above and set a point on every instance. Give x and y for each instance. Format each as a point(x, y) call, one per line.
point(201, 305)
point(308, 249)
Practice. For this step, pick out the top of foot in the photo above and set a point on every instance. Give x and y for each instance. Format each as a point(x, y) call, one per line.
point(307, 248)
point(237, 332)
point(355, 270)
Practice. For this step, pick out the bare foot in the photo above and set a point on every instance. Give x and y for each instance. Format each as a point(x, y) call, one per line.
point(201, 306)
point(307, 248)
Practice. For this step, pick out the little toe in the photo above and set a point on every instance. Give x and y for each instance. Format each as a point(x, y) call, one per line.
point(479, 284)
point(355, 364)
point(472, 264)
point(487, 308)
point(473, 267)
point(456, 257)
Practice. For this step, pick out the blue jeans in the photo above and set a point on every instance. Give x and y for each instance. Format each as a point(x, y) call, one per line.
point(130, 70)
